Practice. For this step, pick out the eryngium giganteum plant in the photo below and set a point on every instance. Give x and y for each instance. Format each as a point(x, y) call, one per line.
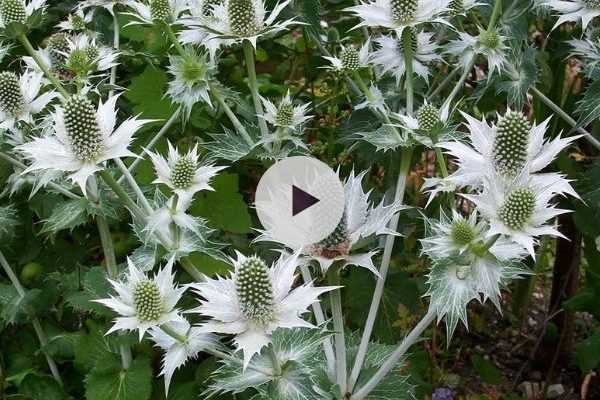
point(133, 134)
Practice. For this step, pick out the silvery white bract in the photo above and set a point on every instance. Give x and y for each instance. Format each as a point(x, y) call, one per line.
point(85, 56)
point(588, 50)
point(20, 98)
point(19, 11)
point(161, 219)
point(520, 209)
point(191, 74)
point(350, 59)
point(399, 14)
point(76, 22)
point(143, 302)
point(82, 139)
point(508, 147)
point(184, 174)
point(285, 114)
point(390, 56)
point(196, 31)
point(255, 301)
point(490, 44)
point(375, 101)
point(239, 20)
point(361, 220)
point(574, 11)
point(177, 352)
point(168, 11)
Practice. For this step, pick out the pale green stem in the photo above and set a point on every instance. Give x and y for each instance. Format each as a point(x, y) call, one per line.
point(320, 319)
point(216, 94)
point(174, 39)
point(441, 161)
point(460, 82)
point(392, 361)
point(37, 326)
point(134, 186)
point(152, 142)
point(408, 60)
point(52, 185)
point(383, 271)
point(274, 360)
point(443, 84)
point(122, 195)
point(496, 12)
point(253, 83)
point(191, 269)
point(116, 45)
point(566, 117)
point(335, 297)
point(25, 42)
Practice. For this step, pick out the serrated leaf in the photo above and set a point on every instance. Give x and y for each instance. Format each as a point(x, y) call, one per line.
point(587, 353)
point(108, 381)
point(522, 75)
point(589, 107)
point(94, 287)
point(311, 11)
point(38, 387)
point(230, 146)
point(146, 92)
point(14, 307)
point(224, 207)
point(66, 215)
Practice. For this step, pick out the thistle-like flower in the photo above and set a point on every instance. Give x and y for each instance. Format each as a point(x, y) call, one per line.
point(574, 10)
point(191, 75)
point(360, 220)
point(196, 24)
point(153, 11)
point(256, 300)
point(20, 98)
point(428, 126)
point(76, 22)
point(82, 139)
point(286, 114)
point(390, 56)
point(185, 174)
point(84, 56)
point(240, 20)
point(490, 44)
point(511, 146)
point(521, 209)
point(460, 7)
point(17, 12)
point(350, 59)
point(190, 342)
point(143, 302)
point(399, 14)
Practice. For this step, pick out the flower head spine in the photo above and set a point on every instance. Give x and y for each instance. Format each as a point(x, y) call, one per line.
point(350, 58)
point(147, 301)
point(82, 128)
point(13, 11)
point(160, 10)
point(510, 146)
point(428, 116)
point(182, 174)
point(242, 17)
point(403, 11)
point(255, 290)
point(518, 208)
point(11, 97)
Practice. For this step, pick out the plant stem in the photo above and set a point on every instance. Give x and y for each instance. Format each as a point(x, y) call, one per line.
point(174, 39)
point(395, 357)
point(274, 360)
point(152, 142)
point(441, 161)
point(191, 269)
point(383, 271)
point(216, 94)
point(566, 117)
point(320, 319)
point(116, 45)
point(173, 333)
point(407, 38)
point(251, 67)
point(27, 44)
point(443, 84)
point(52, 185)
point(134, 186)
point(496, 12)
point(122, 194)
point(37, 326)
point(460, 82)
point(335, 297)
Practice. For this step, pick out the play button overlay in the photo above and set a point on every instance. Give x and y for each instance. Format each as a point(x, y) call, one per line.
point(299, 201)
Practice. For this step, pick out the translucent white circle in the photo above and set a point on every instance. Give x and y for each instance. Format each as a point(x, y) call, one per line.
point(319, 201)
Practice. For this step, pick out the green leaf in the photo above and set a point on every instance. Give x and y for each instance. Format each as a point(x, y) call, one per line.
point(520, 77)
point(486, 370)
point(224, 208)
point(66, 215)
point(587, 353)
point(589, 107)
point(94, 287)
point(93, 346)
point(208, 265)
point(146, 92)
point(311, 11)
point(39, 387)
point(108, 381)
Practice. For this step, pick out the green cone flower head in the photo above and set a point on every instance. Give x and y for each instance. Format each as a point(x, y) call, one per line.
point(510, 146)
point(591, 3)
point(409, 35)
point(489, 39)
point(428, 117)
point(58, 46)
point(350, 58)
point(182, 174)
point(13, 11)
point(463, 233)
point(160, 10)
point(78, 22)
point(82, 128)
point(147, 301)
point(255, 290)
point(285, 114)
point(403, 11)
point(194, 68)
point(242, 17)
point(11, 97)
point(518, 208)
point(80, 62)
